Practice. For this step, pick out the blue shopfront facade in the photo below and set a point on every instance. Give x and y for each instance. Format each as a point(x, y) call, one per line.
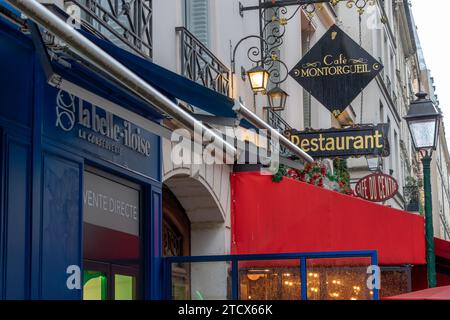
point(63, 155)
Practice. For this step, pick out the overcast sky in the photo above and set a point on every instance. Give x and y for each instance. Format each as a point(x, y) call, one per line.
point(432, 18)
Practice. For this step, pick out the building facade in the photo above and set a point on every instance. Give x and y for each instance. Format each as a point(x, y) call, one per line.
point(201, 40)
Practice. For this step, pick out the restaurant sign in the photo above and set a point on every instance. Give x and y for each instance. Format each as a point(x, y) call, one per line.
point(376, 187)
point(336, 70)
point(363, 140)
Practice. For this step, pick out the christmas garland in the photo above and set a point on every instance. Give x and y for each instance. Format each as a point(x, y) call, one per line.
point(317, 174)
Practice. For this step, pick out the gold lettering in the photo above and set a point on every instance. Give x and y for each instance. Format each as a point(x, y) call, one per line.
point(369, 138)
point(340, 146)
point(321, 141)
point(314, 145)
point(305, 145)
point(325, 60)
point(377, 139)
point(330, 144)
point(347, 146)
point(295, 140)
point(359, 143)
point(305, 73)
point(346, 69)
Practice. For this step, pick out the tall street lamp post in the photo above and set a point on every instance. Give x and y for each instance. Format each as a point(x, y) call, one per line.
point(423, 121)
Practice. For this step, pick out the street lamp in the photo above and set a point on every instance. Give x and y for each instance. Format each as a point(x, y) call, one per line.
point(423, 121)
point(277, 98)
point(374, 163)
point(259, 78)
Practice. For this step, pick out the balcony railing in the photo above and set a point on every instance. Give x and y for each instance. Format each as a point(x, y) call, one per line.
point(128, 24)
point(278, 123)
point(200, 65)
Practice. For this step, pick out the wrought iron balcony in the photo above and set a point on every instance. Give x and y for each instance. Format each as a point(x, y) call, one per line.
point(126, 23)
point(278, 123)
point(200, 65)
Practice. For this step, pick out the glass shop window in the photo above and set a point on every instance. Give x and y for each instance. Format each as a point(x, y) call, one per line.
point(112, 240)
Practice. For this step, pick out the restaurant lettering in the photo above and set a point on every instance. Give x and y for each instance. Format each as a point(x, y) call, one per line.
point(330, 143)
point(99, 127)
point(376, 187)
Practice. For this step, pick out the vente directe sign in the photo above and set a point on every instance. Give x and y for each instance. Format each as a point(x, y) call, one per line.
point(364, 140)
point(336, 70)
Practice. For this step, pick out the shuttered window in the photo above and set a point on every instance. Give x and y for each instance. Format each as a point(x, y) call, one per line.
point(197, 19)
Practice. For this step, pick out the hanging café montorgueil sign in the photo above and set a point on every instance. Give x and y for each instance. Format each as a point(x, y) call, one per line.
point(336, 70)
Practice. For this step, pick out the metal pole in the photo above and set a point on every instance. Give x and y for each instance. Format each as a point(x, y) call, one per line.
point(261, 34)
point(103, 61)
point(279, 4)
point(259, 123)
point(429, 233)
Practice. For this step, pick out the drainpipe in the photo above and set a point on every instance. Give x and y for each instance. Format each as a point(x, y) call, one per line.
point(103, 61)
point(259, 123)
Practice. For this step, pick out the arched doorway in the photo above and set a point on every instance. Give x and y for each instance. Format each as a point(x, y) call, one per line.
point(176, 241)
point(195, 224)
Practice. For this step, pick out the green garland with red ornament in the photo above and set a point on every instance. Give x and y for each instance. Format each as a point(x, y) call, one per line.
point(317, 173)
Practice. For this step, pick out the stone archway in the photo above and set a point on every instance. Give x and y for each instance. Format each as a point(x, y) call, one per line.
point(205, 199)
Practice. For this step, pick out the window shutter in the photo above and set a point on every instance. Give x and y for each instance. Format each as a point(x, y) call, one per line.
point(197, 19)
point(306, 36)
point(306, 109)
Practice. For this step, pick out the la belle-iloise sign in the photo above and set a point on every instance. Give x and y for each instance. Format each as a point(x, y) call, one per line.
point(98, 127)
point(336, 70)
point(377, 187)
point(84, 124)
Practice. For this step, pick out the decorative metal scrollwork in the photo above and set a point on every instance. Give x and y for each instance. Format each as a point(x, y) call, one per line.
point(199, 64)
point(126, 23)
point(274, 18)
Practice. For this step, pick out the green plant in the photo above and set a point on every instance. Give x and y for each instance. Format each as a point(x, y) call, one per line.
point(341, 171)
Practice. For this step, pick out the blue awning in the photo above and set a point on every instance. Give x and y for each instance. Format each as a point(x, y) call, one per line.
point(170, 82)
point(9, 7)
point(167, 82)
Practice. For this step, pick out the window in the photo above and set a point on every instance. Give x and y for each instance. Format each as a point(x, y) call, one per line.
point(381, 113)
point(197, 19)
point(306, 38)
point(112, 237)
point(396, 155)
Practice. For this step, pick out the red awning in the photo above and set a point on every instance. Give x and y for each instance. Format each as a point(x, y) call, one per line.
point(292, 216)
point(438, 293)
point(442, 248)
